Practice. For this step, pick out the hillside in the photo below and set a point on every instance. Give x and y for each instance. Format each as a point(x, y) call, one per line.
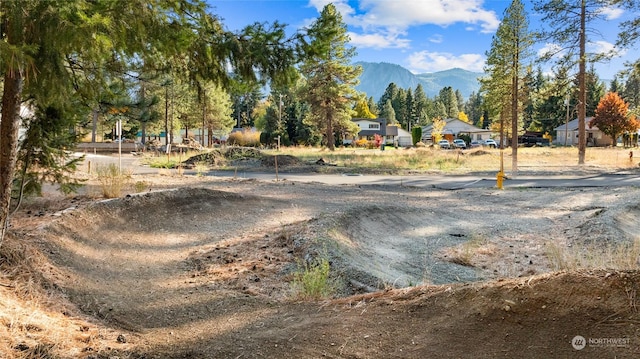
point(377, 76)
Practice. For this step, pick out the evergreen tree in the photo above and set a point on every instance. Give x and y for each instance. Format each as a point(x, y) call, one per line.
point(420, 105)
point(615, 85)
point(52, 51)
point(373, 107)
point(595, 91)
point(473, 107)
point(566, 25)
point(42, 154)
point(331, 78)
point(631, 91)
point(449, 99)
point(399, 103)
point(410, 109)
point(389, 94)
point(389, 113)
point(510, 48)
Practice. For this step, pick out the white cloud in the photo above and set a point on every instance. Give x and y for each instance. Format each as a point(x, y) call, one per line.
point(403, 14)
point(425, 61)
point(386, 21)
point(436, 39)
point(378, 41)
point(550, 49)
point(611, 13)
point(604, 47)
point(601, 47)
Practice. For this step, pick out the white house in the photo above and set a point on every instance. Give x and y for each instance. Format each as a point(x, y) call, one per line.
point(368, 129)
point(392, 134)
point(454, 128)
point(567, 134)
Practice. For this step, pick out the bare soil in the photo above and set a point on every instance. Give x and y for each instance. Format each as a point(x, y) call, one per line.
point(203, 268)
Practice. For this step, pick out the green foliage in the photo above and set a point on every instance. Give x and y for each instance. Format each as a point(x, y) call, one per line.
point(416, 134)
point(362, 110)
point(327, 56)
point(313, 280)
point(43, 154)
point(389, 113)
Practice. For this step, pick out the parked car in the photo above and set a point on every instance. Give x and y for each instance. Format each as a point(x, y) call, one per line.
point(444, 144)
point(475, 144)
point(459, 143)
point(491, 143)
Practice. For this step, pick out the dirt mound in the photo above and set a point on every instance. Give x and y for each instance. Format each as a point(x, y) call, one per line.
point(282, 160)
point(236, 153)
point(202, 273)
point(126, 256)
point(211, 158)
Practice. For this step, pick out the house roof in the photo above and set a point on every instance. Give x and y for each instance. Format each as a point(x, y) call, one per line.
point(454, 126)
point(371, 132)
point(573, 125)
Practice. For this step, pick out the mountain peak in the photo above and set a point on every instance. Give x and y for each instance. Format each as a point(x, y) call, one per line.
point(376, 76)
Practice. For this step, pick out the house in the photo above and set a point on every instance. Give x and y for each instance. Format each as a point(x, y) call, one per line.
point(368, 129)
point(397, 135)
point(392, 134)
point(567, 134)
point(454, 128)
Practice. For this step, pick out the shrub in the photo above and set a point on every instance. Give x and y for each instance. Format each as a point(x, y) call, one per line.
point(313, 281)
point(363, 142)
point(246, 137)
point(112, 181)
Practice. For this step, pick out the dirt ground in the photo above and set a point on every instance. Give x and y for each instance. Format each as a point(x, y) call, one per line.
point(198, 267)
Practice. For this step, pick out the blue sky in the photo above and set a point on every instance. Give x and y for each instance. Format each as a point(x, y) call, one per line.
point(420, 35)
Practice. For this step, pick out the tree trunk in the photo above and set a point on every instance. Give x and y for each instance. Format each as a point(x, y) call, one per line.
point(514, 112)
point(330, 140)
point(94, 124)
point(9, 125)
point(582, 100)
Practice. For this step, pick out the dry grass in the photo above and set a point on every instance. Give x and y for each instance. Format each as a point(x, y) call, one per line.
point(482, 160)
point(622, 256)
point(112, 180)
point(465, 253)
point(34, 322)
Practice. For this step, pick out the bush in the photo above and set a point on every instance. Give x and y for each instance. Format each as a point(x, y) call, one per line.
point(111, 180)
point(245, 137)
point(314, 281)
point(363, 142)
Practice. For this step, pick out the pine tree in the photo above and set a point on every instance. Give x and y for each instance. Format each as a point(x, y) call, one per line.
point(389, 113)
point(420, 105)
point(510, 48)
point(566, 25)
point(54, 50)
point(449, 99)
point(331, 79)
point(373, 107)
point(389, 94)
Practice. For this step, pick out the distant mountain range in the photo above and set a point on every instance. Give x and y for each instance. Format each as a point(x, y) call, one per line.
point(376, 77)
